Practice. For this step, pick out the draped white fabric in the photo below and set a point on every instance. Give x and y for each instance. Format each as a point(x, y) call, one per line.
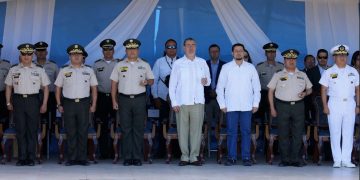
point(26, 21)
point(240, 27)
point(331, 22)
point(128, 24)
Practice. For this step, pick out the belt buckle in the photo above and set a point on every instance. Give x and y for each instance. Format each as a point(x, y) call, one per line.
point(132, 96)
point(77, 100)
point(292, 103)
point(107, 94)
point(24, 95)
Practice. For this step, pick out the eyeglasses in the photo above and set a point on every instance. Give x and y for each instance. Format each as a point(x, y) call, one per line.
point(26, 54)
point(170, 47)
point(322, 57)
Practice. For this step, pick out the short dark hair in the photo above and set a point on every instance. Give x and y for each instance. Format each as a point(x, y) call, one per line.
point(237, 44)
point(322, 51)
point(214, 45)
point(354, 56)
point(170, 40)
point(307, 56)
point(189, 39)
point(249, 57)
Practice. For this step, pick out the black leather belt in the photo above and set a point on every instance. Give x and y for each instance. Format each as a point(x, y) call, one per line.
point(26, 95)
point(76, 99)
point(104, 94)
point(132, 96)
point(290, 102)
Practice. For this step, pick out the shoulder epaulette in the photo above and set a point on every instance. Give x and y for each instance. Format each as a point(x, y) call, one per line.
point(6, 60)
point(14, 65)
point(64, 66)
point(88, 65)
point(38, 65)
point(98, 60)
point(259, 63)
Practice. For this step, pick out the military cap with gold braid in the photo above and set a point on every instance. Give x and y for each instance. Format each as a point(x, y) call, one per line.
point(41, 46)
point(132, 44)
point(340, 50)
point(26, 48)
point(290, 54)
point(270, 46)
point(108, 44)
point(75, 49)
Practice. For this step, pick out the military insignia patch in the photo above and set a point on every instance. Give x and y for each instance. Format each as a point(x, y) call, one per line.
point(124, 69)
point(283, 78)
point(100, 69)
point(35, 74)
point(16, 75)
point(68, 74)
point(298, 77)
point(334, 76)
point(86, 73)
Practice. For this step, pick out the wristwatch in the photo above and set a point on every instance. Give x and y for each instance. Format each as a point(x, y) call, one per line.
point(8, 104)
point(58, 105)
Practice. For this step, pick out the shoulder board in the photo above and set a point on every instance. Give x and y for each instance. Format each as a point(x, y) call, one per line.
point(280, 62)
point(39, 65)
point(6, 60)
point(14, 65)
point(97, 60)
point(87, 65)
point(260, 63)
point(66, 65)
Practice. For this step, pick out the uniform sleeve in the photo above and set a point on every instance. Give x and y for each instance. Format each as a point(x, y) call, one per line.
point(59, 82)
point(114, 74)
point(207, 73)
point(93, 79)
point(308, 82)
point(56, 71)
point(356, 78)
point(45, 81)
point(273, 81)
point(9, 79)
point(156, 72)
point(256, 88)
point(149, 74)
point(324, 80)
point(173, 83)
point(220, 87)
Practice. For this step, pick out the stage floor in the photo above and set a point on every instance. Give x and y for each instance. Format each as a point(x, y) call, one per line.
point(50, 170)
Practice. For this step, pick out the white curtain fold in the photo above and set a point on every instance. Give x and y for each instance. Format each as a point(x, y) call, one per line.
point(240, 27)
point(128, 24)
point(331, 22)
point(26, 21)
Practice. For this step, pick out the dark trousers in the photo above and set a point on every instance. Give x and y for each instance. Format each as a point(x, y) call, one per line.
point(26, 117)
point(4, 113)
point(76, 122)
point(105, 113)
point(290, 121)
point(233, 120)
point(160, 140)
point(50, 113)
point(132, 112)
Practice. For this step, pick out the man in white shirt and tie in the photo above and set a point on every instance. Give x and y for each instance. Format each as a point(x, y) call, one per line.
point(159, 90)
point(186, 90)
point(238, 95)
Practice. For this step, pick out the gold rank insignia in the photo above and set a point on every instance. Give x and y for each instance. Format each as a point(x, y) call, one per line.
point(68, 74)
point(124, 69)
point(283, 78)
point(333, 76)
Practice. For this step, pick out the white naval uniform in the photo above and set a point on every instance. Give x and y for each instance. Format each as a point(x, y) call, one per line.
point(341, 85)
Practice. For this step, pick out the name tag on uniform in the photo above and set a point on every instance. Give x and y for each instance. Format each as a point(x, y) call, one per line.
point(68, 74)
point(35, 74)
point(86, 73)
point(351, 74)
point(141, 67)
point(283, 78)
point(298, 77)
point(333, 76)
point(123, 69)
point(100, 69)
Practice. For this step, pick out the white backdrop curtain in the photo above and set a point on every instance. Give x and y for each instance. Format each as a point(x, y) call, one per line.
point(26, 21)
point(331, 22)
point(128, 24)
point(240, 27)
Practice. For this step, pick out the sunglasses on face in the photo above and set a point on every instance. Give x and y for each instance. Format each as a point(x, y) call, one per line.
point(170, 47)
point(322, 57)
point(26, 54)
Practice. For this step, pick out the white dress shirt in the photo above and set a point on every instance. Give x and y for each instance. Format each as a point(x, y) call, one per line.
point(161, 69)
point(185, 86)
point(238, 87)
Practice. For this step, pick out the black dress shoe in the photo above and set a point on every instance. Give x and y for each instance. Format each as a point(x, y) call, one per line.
point(297, 164)
point(83, 163)
point(284, 164)
point(230, 162)
point(70, 163)
point(137, 162)
point(183, 163)
point(247, 162)
point(127, 162)
point(20, 163)
point(196, 163)
point(30, 162)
